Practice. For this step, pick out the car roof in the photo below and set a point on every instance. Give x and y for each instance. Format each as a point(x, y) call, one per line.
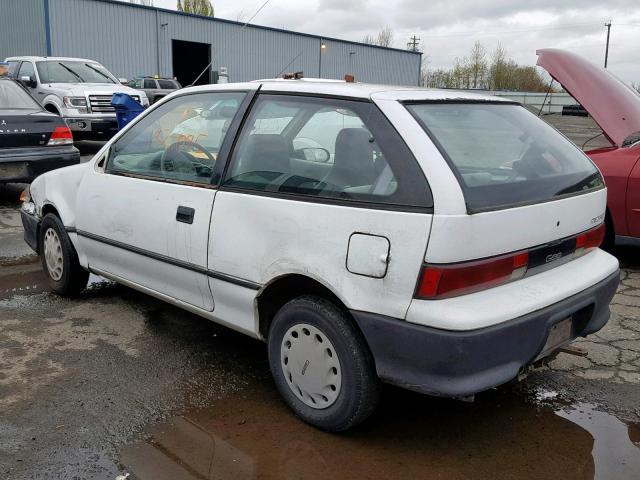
point(356, 90)
point(62, 59)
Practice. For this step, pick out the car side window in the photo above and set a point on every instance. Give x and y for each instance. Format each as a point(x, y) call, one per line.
point(179, 140)
point(323, 147)
point(148, 83)
point(167, 85)
point(311, 147)
point(26, 70)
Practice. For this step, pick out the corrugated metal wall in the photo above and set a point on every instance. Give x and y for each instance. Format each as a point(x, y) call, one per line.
point(131, 41)
point(22, 28)
point(121, 37)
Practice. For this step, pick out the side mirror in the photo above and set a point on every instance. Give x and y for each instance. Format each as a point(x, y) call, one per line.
point(315, 154)
point(123, 81)
point(28, 81)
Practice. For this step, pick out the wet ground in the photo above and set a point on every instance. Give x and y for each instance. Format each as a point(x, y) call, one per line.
point(115, 383)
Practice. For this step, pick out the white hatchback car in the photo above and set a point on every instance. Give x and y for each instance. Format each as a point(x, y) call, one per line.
point(435, 240)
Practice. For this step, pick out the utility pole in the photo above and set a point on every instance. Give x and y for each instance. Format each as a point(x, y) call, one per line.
point(606, 51)
point(413, 44)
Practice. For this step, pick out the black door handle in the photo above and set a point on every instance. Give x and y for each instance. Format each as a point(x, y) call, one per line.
point(185, 214)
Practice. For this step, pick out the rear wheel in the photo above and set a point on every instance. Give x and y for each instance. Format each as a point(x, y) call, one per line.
point(59, 258)
point(321, 364)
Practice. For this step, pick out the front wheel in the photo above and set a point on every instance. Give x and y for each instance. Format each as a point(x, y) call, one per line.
point(322, 365)
point(59, 258)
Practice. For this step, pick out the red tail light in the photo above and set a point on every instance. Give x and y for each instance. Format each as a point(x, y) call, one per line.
point(589, 240)
point(61, 136)
point(441, 281)
point(450, 280)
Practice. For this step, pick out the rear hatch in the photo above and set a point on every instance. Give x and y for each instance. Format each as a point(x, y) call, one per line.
point(530, 195)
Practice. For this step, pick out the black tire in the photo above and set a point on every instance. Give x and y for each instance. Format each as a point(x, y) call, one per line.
point(74, 278)
point(360, 386)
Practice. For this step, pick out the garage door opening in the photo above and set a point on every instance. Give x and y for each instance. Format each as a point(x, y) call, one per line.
point(189, 60)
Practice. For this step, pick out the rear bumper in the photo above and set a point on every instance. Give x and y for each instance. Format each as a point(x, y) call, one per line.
point(24, 164)
point(461, 363)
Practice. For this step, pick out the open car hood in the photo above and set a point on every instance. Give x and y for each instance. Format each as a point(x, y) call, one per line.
point(613, 105)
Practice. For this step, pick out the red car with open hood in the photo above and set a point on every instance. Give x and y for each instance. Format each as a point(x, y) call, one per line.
point(615, 107)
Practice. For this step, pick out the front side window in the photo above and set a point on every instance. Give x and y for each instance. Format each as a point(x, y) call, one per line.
point(73, 71)
point(179, 140)
point(327, 148)
point(503, 155)
point(148, 83)
point(26, 70)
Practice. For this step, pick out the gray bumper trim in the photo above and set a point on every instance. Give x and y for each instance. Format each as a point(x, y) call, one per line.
point(461, 363)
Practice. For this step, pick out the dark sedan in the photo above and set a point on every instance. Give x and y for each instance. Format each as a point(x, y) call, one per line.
point(32, 140)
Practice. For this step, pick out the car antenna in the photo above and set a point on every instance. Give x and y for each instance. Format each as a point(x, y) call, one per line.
point(241, 28)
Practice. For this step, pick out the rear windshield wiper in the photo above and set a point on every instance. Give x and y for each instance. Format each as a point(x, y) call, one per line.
point(72, 72)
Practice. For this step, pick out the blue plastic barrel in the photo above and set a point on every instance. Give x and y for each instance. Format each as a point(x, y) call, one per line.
point(127, 108)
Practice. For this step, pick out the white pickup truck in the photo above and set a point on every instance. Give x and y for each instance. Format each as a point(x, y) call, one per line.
point(77, 89)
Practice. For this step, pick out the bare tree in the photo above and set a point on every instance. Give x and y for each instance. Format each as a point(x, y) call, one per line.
point(478, 65)
point(384, 38)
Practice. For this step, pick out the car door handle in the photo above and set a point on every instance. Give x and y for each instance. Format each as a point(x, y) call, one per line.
point(185, 214)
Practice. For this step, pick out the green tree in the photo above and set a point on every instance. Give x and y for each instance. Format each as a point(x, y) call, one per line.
point(198, 7)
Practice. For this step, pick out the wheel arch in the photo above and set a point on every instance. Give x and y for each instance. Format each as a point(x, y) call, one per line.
point(284, 288)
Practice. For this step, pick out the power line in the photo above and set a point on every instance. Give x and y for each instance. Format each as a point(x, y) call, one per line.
point(606, 51)
point(413, 43)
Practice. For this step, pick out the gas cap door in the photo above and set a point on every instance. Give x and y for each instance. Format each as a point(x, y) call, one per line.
point(368, 255)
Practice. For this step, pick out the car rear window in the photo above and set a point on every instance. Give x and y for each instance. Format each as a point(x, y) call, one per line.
point(503, 155)
point(13, 97)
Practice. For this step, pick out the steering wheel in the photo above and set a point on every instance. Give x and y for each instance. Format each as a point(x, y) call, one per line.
point(175, 154)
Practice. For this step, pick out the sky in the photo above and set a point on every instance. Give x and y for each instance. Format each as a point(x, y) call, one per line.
point(448, 28)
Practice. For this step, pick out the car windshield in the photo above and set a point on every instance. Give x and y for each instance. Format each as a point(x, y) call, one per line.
point(503, 155)
point(13, 97)
point(58, 71)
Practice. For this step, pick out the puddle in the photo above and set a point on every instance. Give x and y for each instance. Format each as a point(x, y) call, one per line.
point(502, 435)
point(25, 277)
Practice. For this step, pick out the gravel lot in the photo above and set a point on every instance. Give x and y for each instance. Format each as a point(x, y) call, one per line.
point(116, 383)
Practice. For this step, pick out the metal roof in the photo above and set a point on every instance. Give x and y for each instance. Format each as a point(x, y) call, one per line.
point(253, 25)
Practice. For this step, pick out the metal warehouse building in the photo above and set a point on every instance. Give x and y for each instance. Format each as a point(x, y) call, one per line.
point(132, 40)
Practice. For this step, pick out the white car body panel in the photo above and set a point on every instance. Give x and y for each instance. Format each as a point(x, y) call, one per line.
point(457, 238)
point(259, 238)
point(141, 214)
point(512, 300)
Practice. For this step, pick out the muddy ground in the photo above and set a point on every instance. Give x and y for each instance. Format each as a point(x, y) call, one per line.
point(116, 383)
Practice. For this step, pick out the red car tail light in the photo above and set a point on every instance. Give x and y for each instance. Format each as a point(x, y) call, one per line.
point(61, 136)
point(450, 280)
point(589, 240)
point(441, 281)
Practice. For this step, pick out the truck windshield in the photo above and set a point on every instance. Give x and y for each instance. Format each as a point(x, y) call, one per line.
point(56, 71)
point(503, 155)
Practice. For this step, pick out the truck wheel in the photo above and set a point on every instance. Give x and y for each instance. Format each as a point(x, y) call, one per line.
point(322, 365)
point(59, 258)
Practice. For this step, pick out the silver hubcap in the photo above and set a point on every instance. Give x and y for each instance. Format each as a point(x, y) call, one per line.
point(311, 366)
point(53, 254)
